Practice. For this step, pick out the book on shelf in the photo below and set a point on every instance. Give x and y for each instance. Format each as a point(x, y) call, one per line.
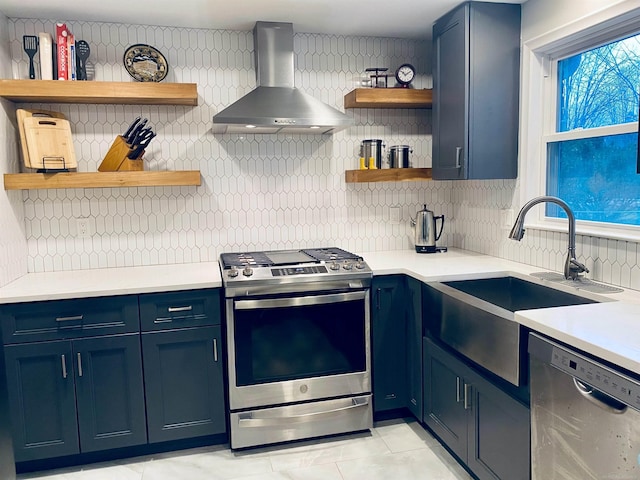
point(71, 44)
point(62, 32)
point(46, 55)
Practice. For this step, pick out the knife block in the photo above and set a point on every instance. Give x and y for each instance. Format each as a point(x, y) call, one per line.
point(117, 160)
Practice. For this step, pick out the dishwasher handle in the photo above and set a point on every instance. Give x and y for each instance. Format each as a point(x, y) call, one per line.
point(598, 398)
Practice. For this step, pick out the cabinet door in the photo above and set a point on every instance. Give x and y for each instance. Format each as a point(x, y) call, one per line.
point(388, 325)
point(109, 392)
point(42, 400)
point(183, 381)
point(414, 347)
point(476, 92)
point(445, 411)
point(499, 442)
point(450, 96)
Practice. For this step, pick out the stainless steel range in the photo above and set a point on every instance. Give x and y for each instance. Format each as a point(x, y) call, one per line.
point(298, 336)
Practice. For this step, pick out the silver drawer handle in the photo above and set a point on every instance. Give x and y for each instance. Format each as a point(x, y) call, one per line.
point(64, 366)
point(215, 349)
point(467, 396)
point(248, 421)
point(69, 319)
point(188, 308)
point(79, 364)
point(458, 152)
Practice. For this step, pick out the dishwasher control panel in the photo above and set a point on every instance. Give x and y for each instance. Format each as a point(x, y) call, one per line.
point(588, 371)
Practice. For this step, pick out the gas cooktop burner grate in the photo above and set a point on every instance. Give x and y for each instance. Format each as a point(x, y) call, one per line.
point(266, 259)
point(331, 254)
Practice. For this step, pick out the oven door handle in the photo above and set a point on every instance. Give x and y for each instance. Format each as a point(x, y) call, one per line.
point(246, 420)
point(299, 301)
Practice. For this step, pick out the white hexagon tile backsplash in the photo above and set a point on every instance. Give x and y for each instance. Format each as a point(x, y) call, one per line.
point(264, 191)
point(258, 192)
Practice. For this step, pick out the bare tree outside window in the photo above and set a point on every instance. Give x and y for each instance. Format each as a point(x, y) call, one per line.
point(596, 174)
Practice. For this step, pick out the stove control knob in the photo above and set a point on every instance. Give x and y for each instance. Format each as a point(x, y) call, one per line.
point(360, 265)
point(248, 271)
point(347, 265)
point(233, 272)
point(334, 265)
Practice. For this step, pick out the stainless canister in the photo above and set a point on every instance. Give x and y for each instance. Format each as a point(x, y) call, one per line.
point(399, 156)
point(372, 148)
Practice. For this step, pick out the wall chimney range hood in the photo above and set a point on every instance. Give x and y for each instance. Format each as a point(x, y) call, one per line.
point(276, 106)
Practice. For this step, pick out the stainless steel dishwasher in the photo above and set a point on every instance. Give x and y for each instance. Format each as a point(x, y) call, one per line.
point(585, 416)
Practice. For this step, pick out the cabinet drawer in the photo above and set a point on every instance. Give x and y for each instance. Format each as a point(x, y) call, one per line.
point(192, 308)
point(60, 319)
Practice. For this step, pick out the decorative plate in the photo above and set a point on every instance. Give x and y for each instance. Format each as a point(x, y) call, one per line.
point(145, 64)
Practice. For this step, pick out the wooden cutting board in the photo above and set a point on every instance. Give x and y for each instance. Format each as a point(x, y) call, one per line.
point(49, 143)
point(21, 114)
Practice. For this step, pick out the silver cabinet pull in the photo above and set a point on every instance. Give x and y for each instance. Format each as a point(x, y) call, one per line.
point(458, 152)
point(248, 420)
point(458, 390)
point(64, 366)
point(215, 349)
point(298, 301)
point(467, 396)
point(79, 364)
point(69, 319)
point(186, 308)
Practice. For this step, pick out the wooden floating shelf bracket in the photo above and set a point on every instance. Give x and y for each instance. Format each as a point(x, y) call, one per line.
point(122, 93)
point(388, 98)
point(387, 175)
point(148, 178)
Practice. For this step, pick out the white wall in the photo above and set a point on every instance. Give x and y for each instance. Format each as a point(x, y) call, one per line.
point(542, 16)
point(13, 245)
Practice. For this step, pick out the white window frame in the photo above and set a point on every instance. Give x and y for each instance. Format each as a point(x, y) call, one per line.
point(538, 109)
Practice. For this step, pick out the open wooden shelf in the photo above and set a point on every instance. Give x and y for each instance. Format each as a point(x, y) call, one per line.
point(39, 181)
point(131, 93)
point(388, 98)
point(387, 175)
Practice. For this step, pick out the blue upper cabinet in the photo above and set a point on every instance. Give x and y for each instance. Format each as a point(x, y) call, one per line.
point(476, 80)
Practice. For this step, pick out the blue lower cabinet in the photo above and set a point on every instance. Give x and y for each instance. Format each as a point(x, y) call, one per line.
point(183, 378)
point(72, 396)
point(388, 342)
point(486, 428)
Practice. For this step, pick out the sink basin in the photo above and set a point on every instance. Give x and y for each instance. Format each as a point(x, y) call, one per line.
point(476, 318)
point(513, 294)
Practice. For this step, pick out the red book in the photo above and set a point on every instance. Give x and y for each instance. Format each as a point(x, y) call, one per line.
point(62, 32)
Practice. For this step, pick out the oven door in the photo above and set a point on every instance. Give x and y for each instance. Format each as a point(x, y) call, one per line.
point(289, 349)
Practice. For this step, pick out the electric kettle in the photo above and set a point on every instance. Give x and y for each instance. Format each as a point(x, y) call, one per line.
point(425, 230)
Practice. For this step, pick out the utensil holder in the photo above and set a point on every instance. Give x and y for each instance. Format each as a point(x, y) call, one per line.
point(117, 158)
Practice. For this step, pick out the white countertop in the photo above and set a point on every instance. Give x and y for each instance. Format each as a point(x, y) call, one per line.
point(111, 281)
point(610, 330)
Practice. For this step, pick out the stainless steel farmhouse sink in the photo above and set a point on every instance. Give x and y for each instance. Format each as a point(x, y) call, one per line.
point(476, 318)
point(513, 294)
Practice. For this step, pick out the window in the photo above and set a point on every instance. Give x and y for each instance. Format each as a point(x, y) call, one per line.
point(592, 144)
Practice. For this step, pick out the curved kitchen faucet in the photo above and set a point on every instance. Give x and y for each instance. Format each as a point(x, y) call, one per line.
point(572, 268)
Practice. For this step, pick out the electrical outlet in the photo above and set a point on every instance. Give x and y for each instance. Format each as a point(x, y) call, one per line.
point(84, 227)
point(506, 218)
point(394, 215)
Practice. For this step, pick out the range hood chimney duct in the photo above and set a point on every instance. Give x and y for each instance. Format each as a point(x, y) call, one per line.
point(275, 105)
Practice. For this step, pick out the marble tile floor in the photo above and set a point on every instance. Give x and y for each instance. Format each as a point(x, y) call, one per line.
point(394, 449)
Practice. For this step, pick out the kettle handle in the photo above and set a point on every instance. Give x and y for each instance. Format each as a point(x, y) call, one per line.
point(441, 217)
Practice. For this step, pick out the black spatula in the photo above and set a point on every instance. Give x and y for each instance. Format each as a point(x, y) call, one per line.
point(31, 47)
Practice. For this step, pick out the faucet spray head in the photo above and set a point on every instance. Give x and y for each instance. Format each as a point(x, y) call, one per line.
point(517, 231)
